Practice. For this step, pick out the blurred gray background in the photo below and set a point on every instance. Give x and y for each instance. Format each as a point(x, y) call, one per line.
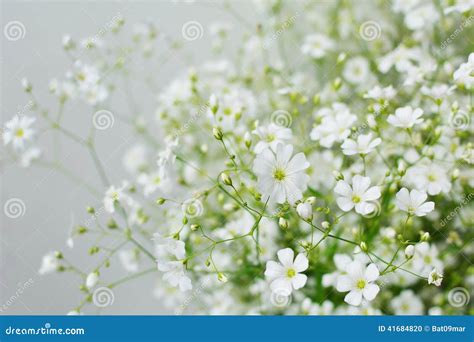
point(53, 203)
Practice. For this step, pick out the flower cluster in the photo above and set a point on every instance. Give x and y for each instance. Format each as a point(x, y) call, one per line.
point(308, 180)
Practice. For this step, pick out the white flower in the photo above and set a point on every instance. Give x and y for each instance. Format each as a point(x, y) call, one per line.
point(135, 158)
point(364, 145)
point(86, 76)
point(154, 181)
point(18, 131)
point(49, 263)
point(421, 17)
point(271, 136)
point(29, 155)
point(359, 282)
point(356, 70)
point(413, 202)
point(316, 45)
point(378, 93)
point(406, 117)
point(360, 195)
point(429, 177)
point(435, 278)
point(402, 58)
point(335, 125)
point(129, 260)
point(92, 280)
point(460, 6)
point(169, 246)
point(286, 275)
point(281, 177)
point(407, 303)
point(425, 259)
point(304, 210)
point(465, 73)
point(115, 195)
point(175, 275)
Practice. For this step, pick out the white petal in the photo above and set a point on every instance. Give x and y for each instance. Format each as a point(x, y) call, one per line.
point(274, 269)
point(353, 298)
point(342, 188)
point(355, 270)
point(371, 273)
point(301, 263)
point(299, 281)
point(370, 291)
point(345, 203)
point(281, 284)
point(286, 257)
point(344, 283)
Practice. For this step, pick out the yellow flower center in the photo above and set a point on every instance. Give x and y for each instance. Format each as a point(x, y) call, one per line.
point(291, 273)
point(115, 196)
point(270, 137)
point(19, 132)
point(427, 259)
point(279, 174)
point(355, 199)
point(361, 284)
point(432, 178)
point(157, 180)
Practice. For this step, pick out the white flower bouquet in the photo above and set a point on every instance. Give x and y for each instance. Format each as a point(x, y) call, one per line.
point(321, 162)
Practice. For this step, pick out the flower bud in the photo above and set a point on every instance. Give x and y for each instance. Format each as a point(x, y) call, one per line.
point(160, 201)
point(311, 200)
point(92, 279)
point(425, 236)
point(247, 139)
point(338, 175)
point(363, 246)
point(409, 251)
point(194, 227)
point(305, 211)
point(226, 179)
point(325, 224)
point(455, 174)
point(214, 104)
point(283, 223)
point(221, 277)
point(27, 86)
point(217, 133)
